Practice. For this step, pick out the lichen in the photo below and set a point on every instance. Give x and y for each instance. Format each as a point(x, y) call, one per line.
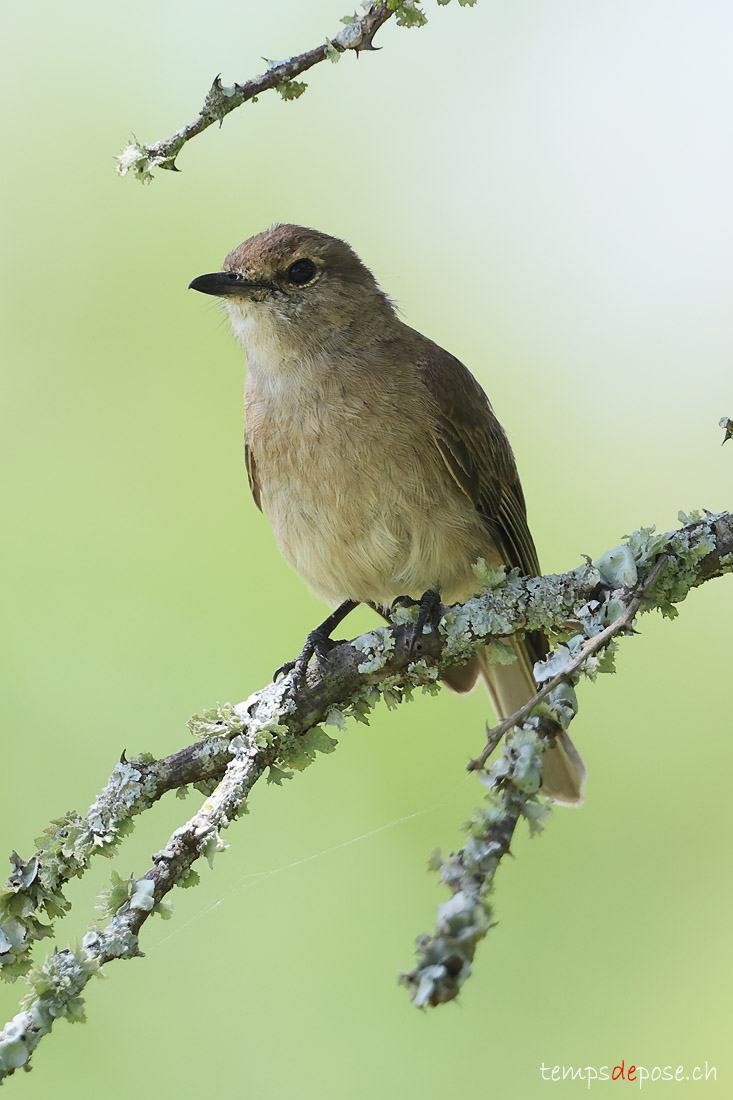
point(219, 100)
point(378, 645)
point(489, 578)
point(617, 568)
point(64, 851)
point(291, 89)
point(117, 941)
point(684, 550)
point(140, 161)
point(408, 13)
point(222, 720)
point(445, 958)
point(55, 990)
point(520, 762)
point(300, 751)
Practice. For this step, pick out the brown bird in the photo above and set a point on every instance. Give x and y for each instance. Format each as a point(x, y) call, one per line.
point(374, 453)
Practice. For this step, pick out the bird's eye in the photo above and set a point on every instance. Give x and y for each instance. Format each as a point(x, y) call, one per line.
point(301, 272)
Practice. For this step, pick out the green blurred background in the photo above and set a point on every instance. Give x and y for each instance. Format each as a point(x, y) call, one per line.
point(546, 191)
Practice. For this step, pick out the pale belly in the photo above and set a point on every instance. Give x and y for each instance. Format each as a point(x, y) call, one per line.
point(362, 523)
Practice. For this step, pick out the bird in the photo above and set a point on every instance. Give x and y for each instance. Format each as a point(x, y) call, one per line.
point(375, 454)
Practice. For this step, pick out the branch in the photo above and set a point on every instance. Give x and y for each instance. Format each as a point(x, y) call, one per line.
point(586, 610)
point(588, 648)
point(357, 35)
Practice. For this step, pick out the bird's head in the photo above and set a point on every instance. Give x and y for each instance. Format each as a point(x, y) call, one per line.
point(294, 287)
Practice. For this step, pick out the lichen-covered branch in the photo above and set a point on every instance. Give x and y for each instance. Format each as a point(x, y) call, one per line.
point(57, 985)
point(356, 35)
point(648, 572)
point(568, 665)
point(279, 730)
point(445, 958)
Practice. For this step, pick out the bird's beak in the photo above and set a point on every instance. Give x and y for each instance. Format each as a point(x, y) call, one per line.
point(225, 284)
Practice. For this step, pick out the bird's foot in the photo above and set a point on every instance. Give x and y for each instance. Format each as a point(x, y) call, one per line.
point(430, 612)
point(318, 644)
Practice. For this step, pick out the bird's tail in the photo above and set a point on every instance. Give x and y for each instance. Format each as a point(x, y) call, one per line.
point(510, 687)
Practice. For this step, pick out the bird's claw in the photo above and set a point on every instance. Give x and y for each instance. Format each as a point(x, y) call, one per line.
point(318, 644)
point(430, 611)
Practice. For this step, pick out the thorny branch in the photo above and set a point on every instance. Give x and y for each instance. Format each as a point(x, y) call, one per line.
point(584, 611)
point(356, 35)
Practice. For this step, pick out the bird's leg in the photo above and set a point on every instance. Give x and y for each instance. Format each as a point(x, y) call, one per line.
point(430, 610)
point(319, 642)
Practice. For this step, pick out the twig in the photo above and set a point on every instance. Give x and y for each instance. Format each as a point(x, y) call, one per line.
point(357, 35)
point(588, 649)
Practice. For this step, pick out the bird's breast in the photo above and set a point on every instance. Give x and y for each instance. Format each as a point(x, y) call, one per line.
point(360, 501)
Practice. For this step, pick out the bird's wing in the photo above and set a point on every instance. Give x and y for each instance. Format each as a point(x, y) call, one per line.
point(249, 461)
point(476, 451)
